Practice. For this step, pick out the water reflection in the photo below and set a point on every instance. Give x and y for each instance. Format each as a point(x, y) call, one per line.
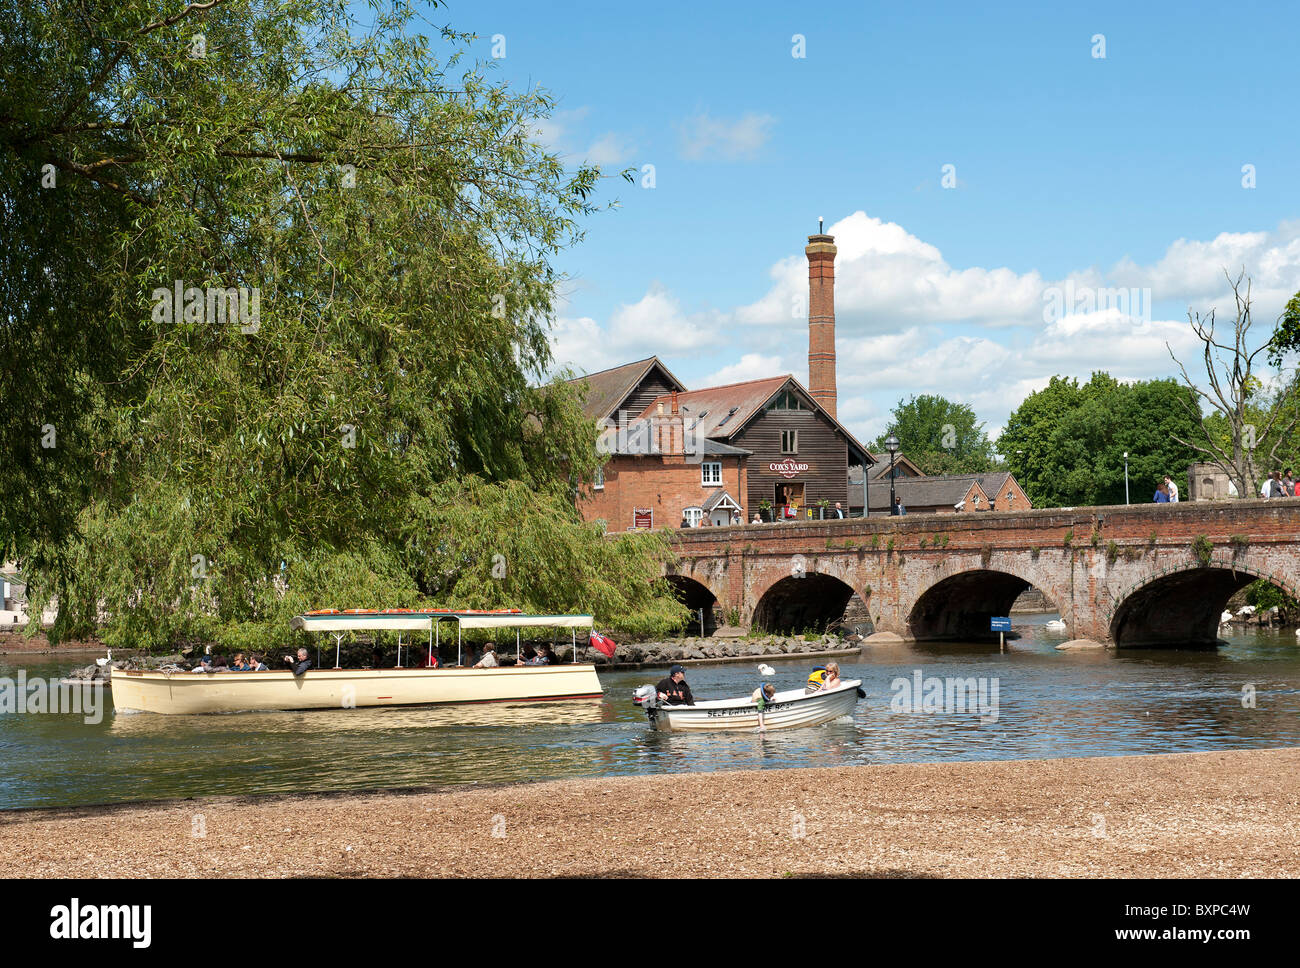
point(1050, 704)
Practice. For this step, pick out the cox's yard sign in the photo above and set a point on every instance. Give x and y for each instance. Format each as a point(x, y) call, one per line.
point(787, 468)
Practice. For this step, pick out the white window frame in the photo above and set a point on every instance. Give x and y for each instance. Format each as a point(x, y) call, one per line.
point(599, 483)
point(716, 479)
point(693, 516)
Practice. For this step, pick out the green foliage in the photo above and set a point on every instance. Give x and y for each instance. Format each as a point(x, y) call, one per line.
point(1203, 549)
point(1112, 552)
point(1069, 538)
point(1095, 538)
point(939, 436)
point(986, 555)
point(1286, 337)
point(1034, 552)
point(1265, 595)
point(1065, 443)
point(390, 207)
point(1239, 543)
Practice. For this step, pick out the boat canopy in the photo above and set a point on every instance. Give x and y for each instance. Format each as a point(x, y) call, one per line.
point(355, 620)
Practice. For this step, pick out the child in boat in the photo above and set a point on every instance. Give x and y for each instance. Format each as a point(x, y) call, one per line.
point(763, 694)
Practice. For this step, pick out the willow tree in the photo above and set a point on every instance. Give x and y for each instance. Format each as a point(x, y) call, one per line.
point(276, 275)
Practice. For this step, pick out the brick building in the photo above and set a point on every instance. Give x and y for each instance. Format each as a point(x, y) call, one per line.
point(768, 447)
point(939, 493)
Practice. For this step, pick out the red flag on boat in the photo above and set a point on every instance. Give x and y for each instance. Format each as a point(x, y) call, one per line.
point(602, 643)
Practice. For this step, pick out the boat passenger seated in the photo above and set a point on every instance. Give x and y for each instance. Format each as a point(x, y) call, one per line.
point(674, 691)
point(543, 656)
point(489, 660)
point(301, 665)
point(239, 664)
point(816, 680)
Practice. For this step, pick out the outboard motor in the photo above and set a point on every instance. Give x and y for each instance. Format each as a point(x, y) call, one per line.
point(645, 697)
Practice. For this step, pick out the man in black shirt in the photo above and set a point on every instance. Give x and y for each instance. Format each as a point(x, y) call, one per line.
point(674, 691)
point(302, 665)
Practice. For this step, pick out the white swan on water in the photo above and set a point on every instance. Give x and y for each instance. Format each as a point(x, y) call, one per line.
point(1056, 625)
point(766, 670)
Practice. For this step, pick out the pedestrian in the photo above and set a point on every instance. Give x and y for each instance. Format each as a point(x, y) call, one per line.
point(1172, 488)
point(1162, 494)
point(898, 508)
point(1288, 482)
point(839, 511)
point(685, 522)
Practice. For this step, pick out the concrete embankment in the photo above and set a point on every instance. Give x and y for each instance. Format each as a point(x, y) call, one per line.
point(1181, 815)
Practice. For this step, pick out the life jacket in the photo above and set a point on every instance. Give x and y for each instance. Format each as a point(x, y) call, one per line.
point(818, 677)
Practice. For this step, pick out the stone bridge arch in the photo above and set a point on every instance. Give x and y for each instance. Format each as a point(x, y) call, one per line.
point(963, 592)
point(1179, 606)
point(696, 595)
point(804, 601)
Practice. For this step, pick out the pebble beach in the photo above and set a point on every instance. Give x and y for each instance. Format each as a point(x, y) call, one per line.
point(1218, 814)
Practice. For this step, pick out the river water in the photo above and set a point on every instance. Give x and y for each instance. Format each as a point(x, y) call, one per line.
point(1049, 704)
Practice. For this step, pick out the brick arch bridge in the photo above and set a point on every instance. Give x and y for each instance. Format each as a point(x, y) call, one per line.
point(1143, 575)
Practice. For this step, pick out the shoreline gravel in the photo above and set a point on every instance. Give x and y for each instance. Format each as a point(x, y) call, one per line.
point(1216, 814)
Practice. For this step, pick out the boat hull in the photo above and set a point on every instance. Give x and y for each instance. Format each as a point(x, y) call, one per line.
point(187, 693)
point(787, 711)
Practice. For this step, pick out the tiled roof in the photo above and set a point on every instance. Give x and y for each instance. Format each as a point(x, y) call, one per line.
point(923, 492)
point(716, 498)
point(606, 389)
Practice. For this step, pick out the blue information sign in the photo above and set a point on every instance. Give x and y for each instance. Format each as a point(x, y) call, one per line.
point(999, 624)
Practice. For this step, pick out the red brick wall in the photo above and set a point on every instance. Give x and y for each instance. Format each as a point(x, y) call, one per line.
point(666, 485)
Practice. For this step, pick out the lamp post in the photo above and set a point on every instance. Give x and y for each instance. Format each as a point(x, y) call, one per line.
point(891, 445)
point(1125, 477)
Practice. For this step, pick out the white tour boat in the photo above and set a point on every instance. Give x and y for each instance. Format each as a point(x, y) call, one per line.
point(785, 710)
point(180, 693)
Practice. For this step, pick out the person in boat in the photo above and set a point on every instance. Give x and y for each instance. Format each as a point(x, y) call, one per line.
point(832, 680)
point(301, 665)
point(763, 694)
point(489, 660)
point(816, 680)
point(205, 665)
point(255, 663)
point(237, 664)
point(674, 691)
point(543, 656)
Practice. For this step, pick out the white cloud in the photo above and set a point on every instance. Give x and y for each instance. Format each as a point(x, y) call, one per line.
point(703, 137)
point(752, 366)
point(610, 148)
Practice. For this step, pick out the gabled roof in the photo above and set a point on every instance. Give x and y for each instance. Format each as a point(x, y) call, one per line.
point(725, 410)
point(606, 389)
point(927, 492)
point(720, 496)
point(881, 470)
point(662, 435)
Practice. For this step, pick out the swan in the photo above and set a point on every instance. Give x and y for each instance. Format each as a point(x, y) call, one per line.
point(103, 662)
point(1056, 624)
point(1246, 610)
point(766, 669)
point(1225, 618)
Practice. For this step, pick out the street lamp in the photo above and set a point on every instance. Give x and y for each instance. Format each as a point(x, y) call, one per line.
point(1125, 477)
point(891, 445)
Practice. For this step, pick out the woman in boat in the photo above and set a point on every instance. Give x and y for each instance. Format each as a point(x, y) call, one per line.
point(489, 660)
point(832, 680)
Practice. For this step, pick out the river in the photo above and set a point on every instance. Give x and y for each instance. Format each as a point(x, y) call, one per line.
point(1049, 704)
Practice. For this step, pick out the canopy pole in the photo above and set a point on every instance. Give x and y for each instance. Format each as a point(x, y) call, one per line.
point(457, 643)
point(433, 638)
point(338, 644)
point(575, 645)
point(399, 650)
point(519, 652)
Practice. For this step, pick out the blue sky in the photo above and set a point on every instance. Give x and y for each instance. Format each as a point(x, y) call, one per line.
point(1122, 171)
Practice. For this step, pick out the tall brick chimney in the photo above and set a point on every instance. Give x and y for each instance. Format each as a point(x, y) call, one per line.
point(821, 319)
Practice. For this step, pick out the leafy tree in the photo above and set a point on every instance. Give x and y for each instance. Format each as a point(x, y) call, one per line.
point(1286, 337)
point(391, 225)
point(1066, 443)
point(939, 436)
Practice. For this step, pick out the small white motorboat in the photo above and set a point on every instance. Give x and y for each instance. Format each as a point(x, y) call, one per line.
point(785, 710)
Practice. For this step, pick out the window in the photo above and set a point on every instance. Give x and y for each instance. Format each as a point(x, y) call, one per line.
point(599, 484)
point(789, 441)
point(692, 516)
point(785, 400)
point(711, 474)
